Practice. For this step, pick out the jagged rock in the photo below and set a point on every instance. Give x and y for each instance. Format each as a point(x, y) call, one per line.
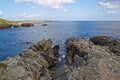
point(113, 45)
point(104, 41)
point(86, 61)
point(73, 46)
point(42, 45)
point(30, 64)
point(53, 52)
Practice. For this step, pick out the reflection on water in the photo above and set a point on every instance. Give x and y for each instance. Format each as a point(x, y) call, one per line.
point(13, 40)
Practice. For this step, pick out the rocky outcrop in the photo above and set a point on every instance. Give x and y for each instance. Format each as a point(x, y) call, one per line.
point(87, 61)
point(111, 44)
point(27, 24)
point(44, 24)
point(31, 64)
point(3, 26)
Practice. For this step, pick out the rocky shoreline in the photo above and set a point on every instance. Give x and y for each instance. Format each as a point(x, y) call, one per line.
point(26, 23)
point(4, 26)
point(94, 59)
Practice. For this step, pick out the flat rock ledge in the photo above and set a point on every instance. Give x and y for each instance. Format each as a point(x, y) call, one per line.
point(94, 59)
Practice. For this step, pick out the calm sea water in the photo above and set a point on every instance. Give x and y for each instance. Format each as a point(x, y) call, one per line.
point(13, 40)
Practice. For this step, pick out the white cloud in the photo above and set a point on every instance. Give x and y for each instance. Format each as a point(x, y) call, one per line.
point(1, 13)
point(53, 4)
point(26, 15)
point(111, 11)
point(108, 5)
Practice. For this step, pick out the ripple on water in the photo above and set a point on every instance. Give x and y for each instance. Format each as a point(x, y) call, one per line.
point(13, 40)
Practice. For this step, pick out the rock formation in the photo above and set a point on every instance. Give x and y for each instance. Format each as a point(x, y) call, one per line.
point(27, 24)
point(3, 26)
point(113, 45)
point(94, 59)
point(44, 24)
point(30, 64)
point(88, 61)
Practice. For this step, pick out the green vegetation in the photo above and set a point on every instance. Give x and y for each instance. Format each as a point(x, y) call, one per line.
point(7, 24)
point(3, 21)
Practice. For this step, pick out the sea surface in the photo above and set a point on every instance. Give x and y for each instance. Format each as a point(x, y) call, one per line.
point(14, 40)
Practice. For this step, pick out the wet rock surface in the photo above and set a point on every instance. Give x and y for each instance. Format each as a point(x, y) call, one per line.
point(85, 60)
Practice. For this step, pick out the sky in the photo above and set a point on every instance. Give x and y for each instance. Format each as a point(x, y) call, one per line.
point(60, 10)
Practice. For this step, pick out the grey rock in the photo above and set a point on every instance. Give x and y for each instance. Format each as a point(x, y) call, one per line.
point(31, 64)
point(87, 61)
point(112, 44)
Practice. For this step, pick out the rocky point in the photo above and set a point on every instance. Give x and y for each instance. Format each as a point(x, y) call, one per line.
point(94, 59)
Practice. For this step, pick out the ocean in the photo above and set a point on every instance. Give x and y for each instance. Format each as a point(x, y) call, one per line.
point(14, 40)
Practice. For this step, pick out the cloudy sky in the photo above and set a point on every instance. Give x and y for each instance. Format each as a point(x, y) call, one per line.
point(65, 10)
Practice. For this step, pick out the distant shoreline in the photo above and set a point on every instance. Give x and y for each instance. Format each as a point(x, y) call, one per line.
point(25, 23)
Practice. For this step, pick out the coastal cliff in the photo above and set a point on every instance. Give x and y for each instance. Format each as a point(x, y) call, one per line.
point(26, 23)
point(94, 59)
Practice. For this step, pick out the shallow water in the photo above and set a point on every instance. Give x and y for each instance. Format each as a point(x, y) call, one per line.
point(13, 40)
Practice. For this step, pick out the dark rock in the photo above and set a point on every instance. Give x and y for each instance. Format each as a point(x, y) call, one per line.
point(27, 24)
point(15, 25)
point(113, 45)
point(45, 24)
point(104, 41)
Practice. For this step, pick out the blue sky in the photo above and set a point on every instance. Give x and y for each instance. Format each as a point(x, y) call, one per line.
point(63, 10)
